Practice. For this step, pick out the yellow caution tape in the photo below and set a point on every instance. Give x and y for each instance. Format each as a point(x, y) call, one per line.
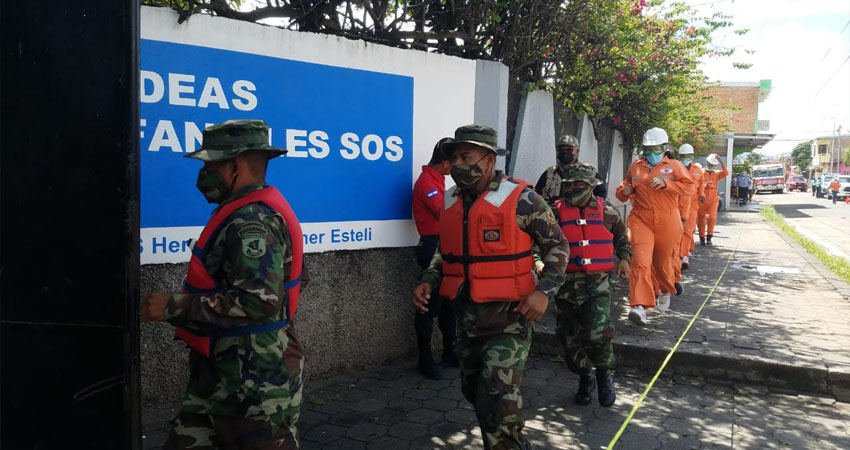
point(672, 351)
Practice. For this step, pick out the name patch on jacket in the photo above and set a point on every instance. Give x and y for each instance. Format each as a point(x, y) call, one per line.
point(492, 236)
point(432, 194)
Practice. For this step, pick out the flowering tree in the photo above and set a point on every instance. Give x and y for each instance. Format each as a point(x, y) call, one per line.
point(637, 70)
point(631, 64)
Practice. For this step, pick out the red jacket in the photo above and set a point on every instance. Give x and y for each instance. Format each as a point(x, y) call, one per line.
point(428, 195)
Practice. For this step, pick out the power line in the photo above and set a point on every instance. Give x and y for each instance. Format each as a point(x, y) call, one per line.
point(831, 77)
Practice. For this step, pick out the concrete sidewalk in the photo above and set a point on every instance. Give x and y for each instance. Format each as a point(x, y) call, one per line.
point(394, 408)
point(778, 317)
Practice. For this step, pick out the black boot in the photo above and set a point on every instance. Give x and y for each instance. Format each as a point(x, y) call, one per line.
point(701, 240)
point(427, 366)
point(585, 389)
point(679, 288)
point(605, 383)
point(708, 239)
point(449, 355)
point(524, 444)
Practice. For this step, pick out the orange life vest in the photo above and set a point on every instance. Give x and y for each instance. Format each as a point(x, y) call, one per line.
point(198, 280)
point(485, 246)
point(591, 244)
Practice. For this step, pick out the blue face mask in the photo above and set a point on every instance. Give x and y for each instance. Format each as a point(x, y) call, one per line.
point(686, 161)
point(654, 158)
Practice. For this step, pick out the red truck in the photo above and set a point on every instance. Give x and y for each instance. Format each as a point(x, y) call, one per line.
point(769, 177)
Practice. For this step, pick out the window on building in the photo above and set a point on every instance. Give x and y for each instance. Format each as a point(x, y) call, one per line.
point(822, 149)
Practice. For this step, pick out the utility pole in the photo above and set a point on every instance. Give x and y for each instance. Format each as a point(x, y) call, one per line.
point(838, 164)
point(832, 148)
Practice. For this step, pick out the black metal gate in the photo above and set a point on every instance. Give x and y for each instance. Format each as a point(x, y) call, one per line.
point(69, 133)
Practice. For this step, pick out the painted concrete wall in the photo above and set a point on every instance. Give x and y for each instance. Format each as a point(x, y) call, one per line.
point(492, 110)
point(588, 145)
point(534, 142)
point(356, 312)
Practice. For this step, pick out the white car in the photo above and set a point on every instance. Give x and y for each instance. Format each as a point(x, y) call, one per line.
point(844, 190)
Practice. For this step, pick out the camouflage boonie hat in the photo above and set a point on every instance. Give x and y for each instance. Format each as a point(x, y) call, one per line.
point(226, 140)
point(581, 172)
point(480, 135)
point(567, 141)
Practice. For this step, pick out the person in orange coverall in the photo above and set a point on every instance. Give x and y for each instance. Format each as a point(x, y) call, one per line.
point(686, 157)
point(708, 210)
point(653, 184)
point(684, 213)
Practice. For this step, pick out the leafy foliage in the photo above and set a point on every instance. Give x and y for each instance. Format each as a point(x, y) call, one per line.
point(630, 64)
point(801, 156)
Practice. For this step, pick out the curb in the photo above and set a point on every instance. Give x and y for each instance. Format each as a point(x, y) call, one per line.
point(834, 382)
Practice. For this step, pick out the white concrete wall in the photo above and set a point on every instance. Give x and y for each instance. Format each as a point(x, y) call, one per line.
point(534, 143)
point(491, 100)
point(588, 145)
point(615, 174)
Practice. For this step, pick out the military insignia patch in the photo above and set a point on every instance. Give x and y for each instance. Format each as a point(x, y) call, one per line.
point(254, 246)
point(667, 170)
point(492, 235)
point(253, 240)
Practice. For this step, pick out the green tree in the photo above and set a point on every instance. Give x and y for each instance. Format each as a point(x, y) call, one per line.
point(632, 64)
point(754, 158)
point(801, 156)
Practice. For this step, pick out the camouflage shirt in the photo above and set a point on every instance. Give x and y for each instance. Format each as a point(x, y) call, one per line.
point(534, 217)
point(252, 283)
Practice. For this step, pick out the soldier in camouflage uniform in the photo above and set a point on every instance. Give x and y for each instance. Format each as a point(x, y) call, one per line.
point(566, 154)
point(583, 317)
point(247, 393)
point(494, 336)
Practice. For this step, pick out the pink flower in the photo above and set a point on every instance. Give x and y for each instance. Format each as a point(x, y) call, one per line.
point(613, 93)
point(595, 97)
point(634, 77)
point(631, 61)
point(617, 120)
point(691, 30)
point(623, 77)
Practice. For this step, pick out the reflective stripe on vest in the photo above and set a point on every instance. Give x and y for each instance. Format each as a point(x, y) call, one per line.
point(198, 280)
point(490, 251)
point(591, 244)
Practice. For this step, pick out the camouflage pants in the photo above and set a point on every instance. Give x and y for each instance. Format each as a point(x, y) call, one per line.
point(491, 373)
point(583, 322)
point(245, 396)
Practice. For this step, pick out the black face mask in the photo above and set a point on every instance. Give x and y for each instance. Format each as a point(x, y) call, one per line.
point(566, 158)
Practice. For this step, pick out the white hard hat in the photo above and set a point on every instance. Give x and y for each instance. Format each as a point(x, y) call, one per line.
point(686, 149)
point(655, 136)
point(713, 159)
point(698, 165)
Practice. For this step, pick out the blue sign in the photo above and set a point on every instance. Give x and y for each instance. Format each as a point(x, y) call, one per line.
point(349, 132)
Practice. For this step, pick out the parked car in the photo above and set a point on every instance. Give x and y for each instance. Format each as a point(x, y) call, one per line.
point(798, 183)
point(825, 179)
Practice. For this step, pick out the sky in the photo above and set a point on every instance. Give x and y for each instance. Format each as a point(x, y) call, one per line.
point(803, 46)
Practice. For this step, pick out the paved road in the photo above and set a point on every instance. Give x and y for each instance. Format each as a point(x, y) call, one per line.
point(818, 219)
point(393, 408)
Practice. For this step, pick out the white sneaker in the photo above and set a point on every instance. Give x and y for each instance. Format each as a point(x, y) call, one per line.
point(638, 315)
point(686, 260)
point(662, 302)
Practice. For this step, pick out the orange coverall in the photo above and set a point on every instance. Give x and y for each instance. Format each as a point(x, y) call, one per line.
point(684, 215)
point(655, 227)
point(709, 208)
point(688, 236)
